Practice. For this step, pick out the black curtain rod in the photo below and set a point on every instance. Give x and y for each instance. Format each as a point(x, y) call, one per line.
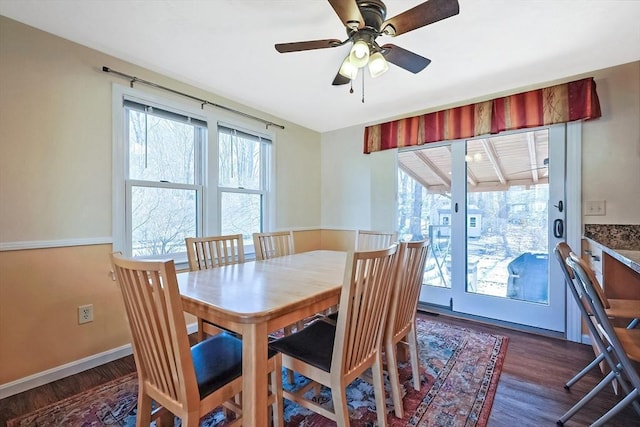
point(203, 102)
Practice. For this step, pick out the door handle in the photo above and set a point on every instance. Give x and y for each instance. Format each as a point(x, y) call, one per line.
point(560, 206)
point(558, 228)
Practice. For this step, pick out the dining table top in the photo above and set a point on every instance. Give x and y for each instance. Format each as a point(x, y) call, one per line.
point(260, 290)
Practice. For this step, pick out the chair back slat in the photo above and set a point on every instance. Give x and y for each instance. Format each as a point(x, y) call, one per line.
point(214, 251)
point(273, 245)
point(412, 257)
point(364, 303)
point(158, 329)
point(367, 240)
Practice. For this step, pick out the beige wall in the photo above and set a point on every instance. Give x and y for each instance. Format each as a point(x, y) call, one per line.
point(55, 189)
point(611, 147)
point(356, 186)
point(39, 295)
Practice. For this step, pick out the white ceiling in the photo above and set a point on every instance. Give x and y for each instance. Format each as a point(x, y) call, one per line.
point(226, 47)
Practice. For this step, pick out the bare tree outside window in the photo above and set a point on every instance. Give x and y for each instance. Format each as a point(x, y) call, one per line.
point(162, 180)
point(512, 222)
point(242, 182)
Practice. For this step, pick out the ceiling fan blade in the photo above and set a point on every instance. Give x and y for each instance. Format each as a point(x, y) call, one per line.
point(308, 45)
point(340, 80)
point(404, 59)
point(348, 12)
point(424, 14)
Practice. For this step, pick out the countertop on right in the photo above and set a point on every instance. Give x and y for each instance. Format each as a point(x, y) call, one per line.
point(622, 242)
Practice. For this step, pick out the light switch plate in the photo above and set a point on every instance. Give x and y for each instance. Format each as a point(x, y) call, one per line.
point(595, 207)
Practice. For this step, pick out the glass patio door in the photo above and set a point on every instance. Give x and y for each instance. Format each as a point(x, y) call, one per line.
point(512, 226)
point(493, 211)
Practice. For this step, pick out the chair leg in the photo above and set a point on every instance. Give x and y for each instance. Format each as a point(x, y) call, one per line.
point(592, 393)
point(165, 418)
point(413, 351)
point(339, 397)
point(631, 397)
point(277, 408)
point(584, 371)
point(192, 419)
point(200, 335)
point(288, 330)
point(378, 387)
point(394, 378)
point(143, 417)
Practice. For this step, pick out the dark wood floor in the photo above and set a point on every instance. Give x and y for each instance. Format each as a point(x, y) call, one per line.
point(530, 391)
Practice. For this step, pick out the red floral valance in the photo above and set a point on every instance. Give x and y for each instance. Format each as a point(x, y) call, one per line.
point(562, 103)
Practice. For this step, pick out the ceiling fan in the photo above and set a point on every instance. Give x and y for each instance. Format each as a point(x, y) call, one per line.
point(365, 21)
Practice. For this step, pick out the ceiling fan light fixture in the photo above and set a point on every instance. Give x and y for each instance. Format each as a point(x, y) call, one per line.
point(347, 69)
point(377, 65)
point(389, 30)
point(359, 55)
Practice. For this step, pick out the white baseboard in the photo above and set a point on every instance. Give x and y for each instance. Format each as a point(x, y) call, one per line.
point(63, 371)
point(68, 369)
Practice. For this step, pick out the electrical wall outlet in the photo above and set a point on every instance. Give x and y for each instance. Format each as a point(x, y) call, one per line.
point(85, 314)
point(594, 207)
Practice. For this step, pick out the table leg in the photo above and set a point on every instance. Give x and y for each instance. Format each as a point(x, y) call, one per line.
point(254, 372)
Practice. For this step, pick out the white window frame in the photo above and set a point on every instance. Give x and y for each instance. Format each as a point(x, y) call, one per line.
point(209, 220)
point(266, 178)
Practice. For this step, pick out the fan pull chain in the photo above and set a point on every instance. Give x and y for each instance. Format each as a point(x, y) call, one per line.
point(363, 87)
point(351, 84)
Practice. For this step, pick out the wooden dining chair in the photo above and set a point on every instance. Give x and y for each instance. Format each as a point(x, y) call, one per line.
point(622, 346)
point(401, 320)
point(188, 382)
point(273, 244)
point(367, 240)
point(334, 354)
point(211, 252)
point(214, 251)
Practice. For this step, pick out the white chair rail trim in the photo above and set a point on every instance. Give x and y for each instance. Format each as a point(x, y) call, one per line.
point(62, 243)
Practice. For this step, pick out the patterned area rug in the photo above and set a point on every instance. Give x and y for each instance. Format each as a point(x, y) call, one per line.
point(459, 375)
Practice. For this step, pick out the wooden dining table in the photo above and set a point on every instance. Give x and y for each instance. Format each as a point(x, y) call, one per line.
point(259, 297)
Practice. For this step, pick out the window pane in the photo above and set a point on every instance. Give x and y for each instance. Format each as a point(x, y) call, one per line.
point(161, 219)
point(239, 161)
point(241, 214)
point(424, 213)
point(161, 149)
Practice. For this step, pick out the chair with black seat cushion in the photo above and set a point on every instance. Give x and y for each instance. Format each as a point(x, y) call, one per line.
point(401, 320)
point(211, 252)
point(334, 355)
point(618, 345)
point(188, 382)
